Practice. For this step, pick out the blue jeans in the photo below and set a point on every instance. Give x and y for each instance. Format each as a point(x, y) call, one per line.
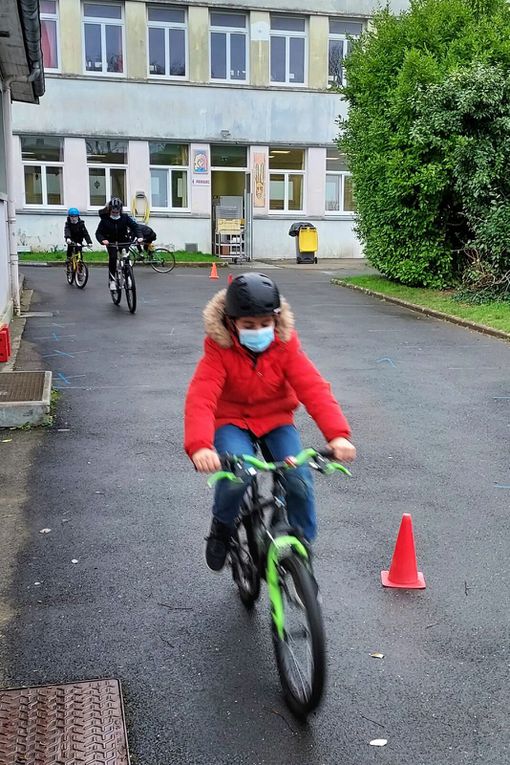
point(281, 442)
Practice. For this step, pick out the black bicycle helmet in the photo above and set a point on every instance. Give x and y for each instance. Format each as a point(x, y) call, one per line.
point(115, 204)
point(252, 294)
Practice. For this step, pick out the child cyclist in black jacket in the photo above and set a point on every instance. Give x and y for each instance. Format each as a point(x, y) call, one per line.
point(75, 231)
point(116, 226)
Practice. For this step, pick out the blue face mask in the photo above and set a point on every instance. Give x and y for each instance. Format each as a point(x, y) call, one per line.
point(257, 340)
point(115, 216)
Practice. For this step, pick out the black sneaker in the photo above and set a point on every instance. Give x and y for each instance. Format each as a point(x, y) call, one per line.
point(218, 544)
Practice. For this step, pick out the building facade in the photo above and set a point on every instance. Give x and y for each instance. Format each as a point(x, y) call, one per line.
point(180, 109)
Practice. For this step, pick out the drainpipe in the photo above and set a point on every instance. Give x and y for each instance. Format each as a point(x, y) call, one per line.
point(10, 172)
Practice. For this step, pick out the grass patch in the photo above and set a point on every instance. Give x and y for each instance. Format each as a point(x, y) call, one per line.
point(100, 256)
point(496, 315)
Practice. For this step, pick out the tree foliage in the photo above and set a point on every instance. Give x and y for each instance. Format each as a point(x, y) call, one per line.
point(428, 140)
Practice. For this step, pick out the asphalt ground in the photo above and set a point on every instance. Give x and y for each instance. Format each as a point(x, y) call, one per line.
point(429, 404)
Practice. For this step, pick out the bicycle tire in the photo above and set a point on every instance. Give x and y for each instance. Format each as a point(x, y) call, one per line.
point(82, 274)
point(69, 272)
point(302, 704)
point(117, 293)
point(162, 260)
point(244, 563)
point(130, 287)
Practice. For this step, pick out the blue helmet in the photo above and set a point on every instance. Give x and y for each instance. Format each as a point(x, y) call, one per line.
point(74, 212)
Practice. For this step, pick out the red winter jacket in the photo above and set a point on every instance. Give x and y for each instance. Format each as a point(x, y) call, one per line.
point(230, 388)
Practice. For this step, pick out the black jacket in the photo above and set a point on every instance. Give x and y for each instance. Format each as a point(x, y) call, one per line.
point(148, 233)
point(125, 229)
point(76, 232)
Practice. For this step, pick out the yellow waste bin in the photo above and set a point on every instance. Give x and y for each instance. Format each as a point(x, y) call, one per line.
point(307, 242)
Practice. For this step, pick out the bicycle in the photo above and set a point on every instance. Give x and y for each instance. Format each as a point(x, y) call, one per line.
point(269, 548)
point(160, 259)
point(76, 269)
point(124, 276)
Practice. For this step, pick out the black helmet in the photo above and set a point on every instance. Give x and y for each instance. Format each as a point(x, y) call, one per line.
point(252, 295)
point(115, 204)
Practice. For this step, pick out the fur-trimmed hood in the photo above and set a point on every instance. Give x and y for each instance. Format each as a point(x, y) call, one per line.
point(214, 321)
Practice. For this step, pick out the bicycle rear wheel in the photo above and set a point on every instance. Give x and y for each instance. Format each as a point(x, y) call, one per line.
point(243, 558)
point(130, 287)
point(69, 272)
point(162, 260)
point(301, 650)
point(82, 274)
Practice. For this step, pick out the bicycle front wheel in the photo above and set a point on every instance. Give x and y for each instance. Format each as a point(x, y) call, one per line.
point(116, 293)
point(82, 274)
point(301, 649)
point(130, 288)
point(162, 260)
point(69, 272)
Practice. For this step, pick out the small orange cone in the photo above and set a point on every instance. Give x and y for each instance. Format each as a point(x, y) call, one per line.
point(403, 571)
point(230, 279)
point(214, 272)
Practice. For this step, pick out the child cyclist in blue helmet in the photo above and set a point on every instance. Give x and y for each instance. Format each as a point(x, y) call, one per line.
point(75, 231)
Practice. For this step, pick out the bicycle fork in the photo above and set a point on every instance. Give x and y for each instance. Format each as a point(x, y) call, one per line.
point(279, 548)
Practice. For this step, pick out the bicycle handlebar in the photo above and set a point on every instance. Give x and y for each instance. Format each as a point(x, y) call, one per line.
point(233, 464)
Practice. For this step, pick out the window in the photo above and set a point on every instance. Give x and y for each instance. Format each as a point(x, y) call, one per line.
point(228, 47)
point(339, 196)
point(49, 34)
point(43, 161)
point(227, 155)
point(107, 161)
point(103, 30)
point(286, 179)
point(339, 45)
point(169, 175)
point(167, 41)
point(288, 50)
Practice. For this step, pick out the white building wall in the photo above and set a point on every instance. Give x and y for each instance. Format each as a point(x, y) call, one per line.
point(5, 291)
point(336, 238)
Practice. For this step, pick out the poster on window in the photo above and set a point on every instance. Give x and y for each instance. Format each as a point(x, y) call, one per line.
point(259, 179)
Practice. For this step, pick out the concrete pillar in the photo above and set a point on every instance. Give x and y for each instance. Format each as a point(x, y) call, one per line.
point(71, 47)
point(198, 37)
point(138, 176)
point(260, 25)
point(201, 199)
point(318, 37)
point(136, 39)
point(76, 177)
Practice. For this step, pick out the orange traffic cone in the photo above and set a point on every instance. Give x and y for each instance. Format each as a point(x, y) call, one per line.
point(214, 272)
point(230, 279)
point(403, 571)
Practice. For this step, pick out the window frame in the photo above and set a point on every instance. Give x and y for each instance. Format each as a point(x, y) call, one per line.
point(288, 34)
point(166, 26)
point(169, 169)
point(56, 18)
point(286, 173)
point(229, 31)
point(107, 167)
point(341, 175)
point(43, 164)
point(103, 22)
point(345, 38)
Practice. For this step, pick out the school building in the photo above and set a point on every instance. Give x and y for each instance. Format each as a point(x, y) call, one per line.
point(194, 114)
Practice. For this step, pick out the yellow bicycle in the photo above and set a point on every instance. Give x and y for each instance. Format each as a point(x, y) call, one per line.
point(77, 271)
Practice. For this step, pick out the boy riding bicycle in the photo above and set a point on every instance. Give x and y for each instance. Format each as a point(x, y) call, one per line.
point(244, 392)
point(75, 231)
point(115, 226)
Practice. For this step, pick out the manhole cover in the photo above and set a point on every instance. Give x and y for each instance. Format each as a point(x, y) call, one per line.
point(21, 386)
point(71, 724)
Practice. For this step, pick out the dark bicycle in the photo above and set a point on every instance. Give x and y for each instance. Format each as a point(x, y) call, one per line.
point(160, 259)
point(77, 271)
point(124, 276)
point(266, 547)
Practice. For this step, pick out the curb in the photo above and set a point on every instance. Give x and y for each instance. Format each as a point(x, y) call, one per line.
point(61, 264)
point(482, 328)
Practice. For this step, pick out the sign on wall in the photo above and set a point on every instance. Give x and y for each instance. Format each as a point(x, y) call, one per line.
point(201, 175)
point(259, 179)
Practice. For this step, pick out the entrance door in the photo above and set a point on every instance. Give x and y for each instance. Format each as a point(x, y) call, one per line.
point(228, 174)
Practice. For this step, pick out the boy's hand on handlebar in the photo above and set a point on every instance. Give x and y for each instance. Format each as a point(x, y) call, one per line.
point(206, 461)
point(105, 241)
point(342, 450)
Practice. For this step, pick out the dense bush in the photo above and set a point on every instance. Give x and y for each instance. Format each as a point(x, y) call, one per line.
point(428, 141)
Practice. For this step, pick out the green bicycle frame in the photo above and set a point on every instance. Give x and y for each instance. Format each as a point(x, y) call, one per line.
point(277, 549)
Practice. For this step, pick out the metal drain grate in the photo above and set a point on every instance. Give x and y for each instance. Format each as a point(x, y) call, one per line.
point(63, 725)
point(21, 386)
